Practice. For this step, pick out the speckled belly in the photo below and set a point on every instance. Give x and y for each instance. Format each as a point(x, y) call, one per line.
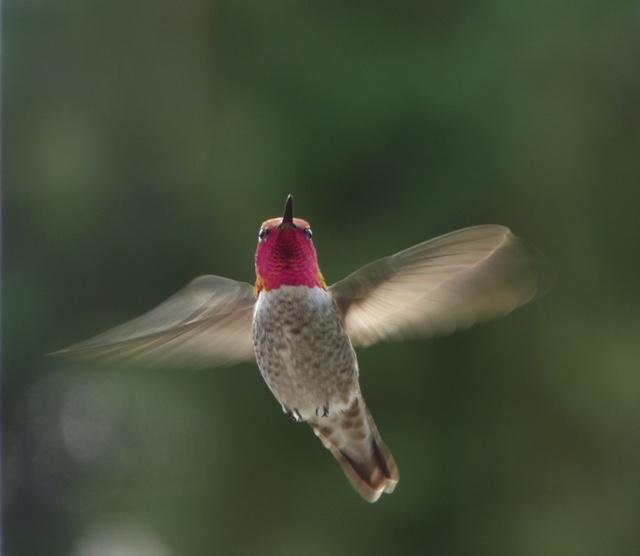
point(303, 352)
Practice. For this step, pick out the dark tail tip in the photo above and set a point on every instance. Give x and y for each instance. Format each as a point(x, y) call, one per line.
point(361, 453)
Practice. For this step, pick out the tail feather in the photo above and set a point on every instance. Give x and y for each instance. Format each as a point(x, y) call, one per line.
point(354, 440)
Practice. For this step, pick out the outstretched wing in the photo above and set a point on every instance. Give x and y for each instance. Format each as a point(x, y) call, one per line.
point(438, 286)
point(206, 323)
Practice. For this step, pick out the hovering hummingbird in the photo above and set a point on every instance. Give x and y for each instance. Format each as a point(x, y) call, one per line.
point(302, 333)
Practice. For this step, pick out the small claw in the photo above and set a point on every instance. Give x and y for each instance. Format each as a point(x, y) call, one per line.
point(294, 415)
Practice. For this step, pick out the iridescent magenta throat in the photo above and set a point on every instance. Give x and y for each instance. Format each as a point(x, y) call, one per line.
point(287, 258)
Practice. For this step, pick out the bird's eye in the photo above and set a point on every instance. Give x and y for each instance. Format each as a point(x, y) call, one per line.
point(308, 232)
point(262, 233)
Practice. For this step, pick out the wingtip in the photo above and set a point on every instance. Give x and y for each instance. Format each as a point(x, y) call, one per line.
point(70, 352)
point(56, 353)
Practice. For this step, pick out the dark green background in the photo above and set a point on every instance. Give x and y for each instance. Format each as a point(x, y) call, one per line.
point(145, 141)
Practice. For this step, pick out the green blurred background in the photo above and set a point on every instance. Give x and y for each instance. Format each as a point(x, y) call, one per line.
point(145, 141)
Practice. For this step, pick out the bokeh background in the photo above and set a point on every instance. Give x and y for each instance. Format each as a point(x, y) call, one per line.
point(145, 141)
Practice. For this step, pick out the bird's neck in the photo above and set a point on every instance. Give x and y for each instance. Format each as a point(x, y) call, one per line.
point(275, 273)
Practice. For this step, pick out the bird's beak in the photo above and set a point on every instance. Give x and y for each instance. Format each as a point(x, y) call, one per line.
point(287, 216)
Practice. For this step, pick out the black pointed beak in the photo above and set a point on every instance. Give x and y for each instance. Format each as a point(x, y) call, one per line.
point(287, 216)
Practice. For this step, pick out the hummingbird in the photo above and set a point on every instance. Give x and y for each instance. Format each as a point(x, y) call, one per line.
point(302, 333)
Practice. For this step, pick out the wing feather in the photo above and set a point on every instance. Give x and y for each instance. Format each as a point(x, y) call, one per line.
point(438, 286)
point(206, 323)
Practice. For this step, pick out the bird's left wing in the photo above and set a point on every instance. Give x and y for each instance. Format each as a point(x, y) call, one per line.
point(438, 286)
point(206, 323)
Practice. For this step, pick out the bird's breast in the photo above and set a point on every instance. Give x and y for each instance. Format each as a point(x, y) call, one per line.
point(301, 347)
point(289, 305)
point(296, 318)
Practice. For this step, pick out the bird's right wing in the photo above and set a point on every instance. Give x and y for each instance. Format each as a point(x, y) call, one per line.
point(206, 323)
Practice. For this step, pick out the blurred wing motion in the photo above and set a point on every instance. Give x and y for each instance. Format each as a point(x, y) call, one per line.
point(208, 322)
point(438, 286)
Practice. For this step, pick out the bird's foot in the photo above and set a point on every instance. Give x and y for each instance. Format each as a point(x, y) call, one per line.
point(322, 411)
point(293, 414)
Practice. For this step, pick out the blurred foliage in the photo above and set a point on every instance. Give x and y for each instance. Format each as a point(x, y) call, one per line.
point(145, 141)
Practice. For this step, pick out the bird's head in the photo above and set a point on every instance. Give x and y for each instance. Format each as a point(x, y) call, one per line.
point(285, 255)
